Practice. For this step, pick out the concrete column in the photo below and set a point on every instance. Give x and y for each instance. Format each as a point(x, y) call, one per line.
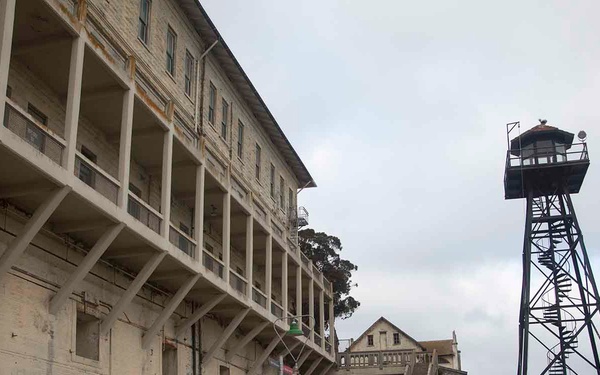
point(7, 22)
point(73, 101)
point(311, 308)
point(167, 175)
point(226, 234)
point(269, 269)
point(249, 253)
point(284, 283)
point(322, 317)
point(299, 291)
point(125, 146)
point(331, 326)
point(199, 211)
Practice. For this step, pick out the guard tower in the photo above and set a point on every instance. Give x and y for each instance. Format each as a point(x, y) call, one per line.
point(559, 297)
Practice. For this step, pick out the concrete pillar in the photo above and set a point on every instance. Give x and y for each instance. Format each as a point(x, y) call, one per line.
point(269, 269)
point(311, 308)
point(284, 283)
point(299, 291)
point(199, 211)
point(125, 146)
point(322, 317)
point(226, 234)
point(332, 325)
point(249, 254)
point(73, 101)
point(167, 169)
point(7, 22)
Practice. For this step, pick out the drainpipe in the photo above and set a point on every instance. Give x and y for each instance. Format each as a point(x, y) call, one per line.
point(198, 113)
point(194, 349)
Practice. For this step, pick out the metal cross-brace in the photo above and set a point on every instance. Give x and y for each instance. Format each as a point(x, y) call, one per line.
point(559, 298)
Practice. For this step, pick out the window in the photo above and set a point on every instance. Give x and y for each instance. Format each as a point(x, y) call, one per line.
point(257, 163)
point(144, 20)
point(224, 118)
point(169, 359)
point(281, 193)
point(189, 72)
point(87, 336)
point(37, 115)
point(86, 174)
point(396, 338)
point(212, 102)
point(183, 242)
point(272, 181)
point(171, 45)
point(223, 370)
point(291, 200)
point(240, 142)
point(370, 340)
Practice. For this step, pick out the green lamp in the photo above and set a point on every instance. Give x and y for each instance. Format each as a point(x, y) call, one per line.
point(294, 329)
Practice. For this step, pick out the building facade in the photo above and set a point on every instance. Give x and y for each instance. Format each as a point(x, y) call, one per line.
point(387, 350)
point(148, 199)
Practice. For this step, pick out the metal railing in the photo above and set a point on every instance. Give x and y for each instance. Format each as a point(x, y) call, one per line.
point(259, 297)
point(547, 155)
point(276, 309)
point(212, 264)
point(144, 213)
point(37, 135)
point(111, 50)
point(237, 282)
point(182, 241)
point(96, 178)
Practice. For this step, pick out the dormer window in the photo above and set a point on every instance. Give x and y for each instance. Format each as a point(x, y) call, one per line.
point(370, 340)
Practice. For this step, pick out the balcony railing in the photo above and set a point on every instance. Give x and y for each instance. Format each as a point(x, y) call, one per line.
point(237, 282)
point(547, 155)
point(144, 213)
point(212, 264)
point(318, 340)
point(88, 172)
point(38, 136)
point(305, 329)
point(276, 309)
point(110, 49)
point(259, 297)
point(327, 347)
point(381, 358)
point(183, 242)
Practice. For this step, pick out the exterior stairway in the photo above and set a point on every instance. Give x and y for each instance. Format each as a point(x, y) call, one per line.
point(552, 314)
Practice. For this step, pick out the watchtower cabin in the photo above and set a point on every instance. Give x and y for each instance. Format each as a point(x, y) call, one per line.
point(542, 160)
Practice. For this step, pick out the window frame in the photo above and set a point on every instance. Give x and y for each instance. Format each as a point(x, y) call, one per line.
point(212, 103)
point(145, 23)
point(172, 56)
point(281, 193)
point(396, 338)
point(370, 341)
point(240, 141)
point(188, 74)
point(257, 161)
point(224, 118)
point(272, 181)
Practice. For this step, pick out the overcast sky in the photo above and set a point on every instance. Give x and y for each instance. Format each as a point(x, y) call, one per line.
point(398, 109)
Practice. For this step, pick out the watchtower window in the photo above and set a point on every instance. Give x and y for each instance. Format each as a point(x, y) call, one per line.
point(543, 152)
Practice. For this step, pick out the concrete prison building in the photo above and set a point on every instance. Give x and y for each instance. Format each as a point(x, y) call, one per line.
point(384, 349)
point(148, 213)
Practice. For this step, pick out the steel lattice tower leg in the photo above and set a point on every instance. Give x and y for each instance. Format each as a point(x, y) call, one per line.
point(559, 296)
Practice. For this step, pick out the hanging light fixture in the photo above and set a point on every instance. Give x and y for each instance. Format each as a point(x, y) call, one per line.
point(294, 331)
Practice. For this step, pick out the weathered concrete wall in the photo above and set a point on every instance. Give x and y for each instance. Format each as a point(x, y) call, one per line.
point(383, 341)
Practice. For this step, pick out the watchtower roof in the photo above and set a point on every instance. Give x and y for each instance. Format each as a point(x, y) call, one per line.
point(541, 132)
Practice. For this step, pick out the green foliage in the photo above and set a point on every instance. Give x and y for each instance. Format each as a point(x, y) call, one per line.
point(324, 250)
